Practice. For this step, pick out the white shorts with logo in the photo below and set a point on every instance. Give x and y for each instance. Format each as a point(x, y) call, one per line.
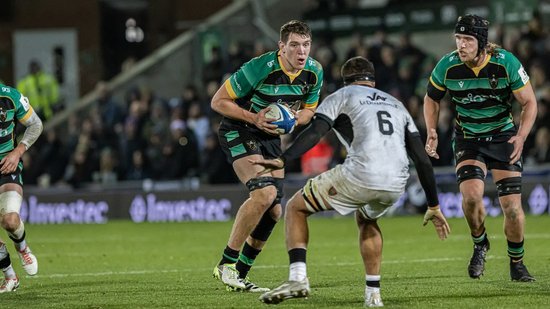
point(345, 197)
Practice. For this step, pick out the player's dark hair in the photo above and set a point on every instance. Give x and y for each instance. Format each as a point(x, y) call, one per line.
point(357, 69)
point(475, 26)
point(294, 26)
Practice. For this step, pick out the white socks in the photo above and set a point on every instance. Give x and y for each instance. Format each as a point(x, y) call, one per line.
point(9, 273)
point(372, 289)
point(298, 271)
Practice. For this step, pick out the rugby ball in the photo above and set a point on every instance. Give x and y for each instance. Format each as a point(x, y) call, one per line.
point(284, 118)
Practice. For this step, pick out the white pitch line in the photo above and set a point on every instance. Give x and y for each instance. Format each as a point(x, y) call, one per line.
point(109, 273)
point(145, 272)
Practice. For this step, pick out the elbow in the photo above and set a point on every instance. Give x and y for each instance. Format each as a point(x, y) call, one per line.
point(215, 105)
point(40, 127)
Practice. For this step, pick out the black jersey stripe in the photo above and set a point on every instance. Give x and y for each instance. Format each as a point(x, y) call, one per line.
point(6, 103)
point(280, 78)
point(7, 141)
point(462, 72)
point(6, 125)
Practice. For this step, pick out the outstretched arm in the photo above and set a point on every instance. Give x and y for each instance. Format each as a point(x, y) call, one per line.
point(426, 176)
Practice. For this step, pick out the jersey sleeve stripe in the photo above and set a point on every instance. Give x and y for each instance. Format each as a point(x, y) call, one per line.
point(27, 115)
point(435, 85)
point(311, 105)
point(520, 88)
point(229, 89)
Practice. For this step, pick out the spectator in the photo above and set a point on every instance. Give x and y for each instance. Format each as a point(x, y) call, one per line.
point(108, 172)
point(411, 54)
point(541, 152)
point(181, 156)
point(199, 123)
point(139, 168)
point(129, 142)
point(214, 68)
point(52, 157)
point(41, 89)
point(216, 169)
point(111, 111)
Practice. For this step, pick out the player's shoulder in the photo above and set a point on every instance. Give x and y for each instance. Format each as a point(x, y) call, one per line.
point(502, 55)
point(450, 59)
point(7, 91)
point(313, 65)
point(268, 59)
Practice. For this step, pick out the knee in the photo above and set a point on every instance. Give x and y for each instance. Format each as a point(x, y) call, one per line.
point(296, 207)
point(263, 190)
point(472, 197)
point(11, 221)
point(264, 196)
point(512, 209)
point(470, 201)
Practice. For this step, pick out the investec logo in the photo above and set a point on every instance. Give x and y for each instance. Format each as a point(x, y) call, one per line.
point(149, 209)
point(78, 211)
point(237, 83)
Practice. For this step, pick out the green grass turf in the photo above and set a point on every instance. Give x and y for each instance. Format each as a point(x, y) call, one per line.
point(127, 265)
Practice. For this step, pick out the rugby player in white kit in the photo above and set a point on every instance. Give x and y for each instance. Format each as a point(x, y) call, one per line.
point(379, 135)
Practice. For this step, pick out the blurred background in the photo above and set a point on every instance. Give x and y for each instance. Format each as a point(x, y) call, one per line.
point(128, 124)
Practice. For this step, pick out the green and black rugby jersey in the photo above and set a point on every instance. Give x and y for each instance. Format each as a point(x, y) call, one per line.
point(263, 80)
point(13, 107)
point(481, 96)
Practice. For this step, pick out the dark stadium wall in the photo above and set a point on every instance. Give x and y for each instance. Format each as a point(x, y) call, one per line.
point(82, 15)
point(165, 20)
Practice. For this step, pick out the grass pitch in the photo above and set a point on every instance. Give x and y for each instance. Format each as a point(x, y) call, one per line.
point(128, 265)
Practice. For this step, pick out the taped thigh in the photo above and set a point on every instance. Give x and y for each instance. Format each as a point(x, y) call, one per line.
point(10, 201)
point(260, 182)
point(467, 172)
point(507, 186)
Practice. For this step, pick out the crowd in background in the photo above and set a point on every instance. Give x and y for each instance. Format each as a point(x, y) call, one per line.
point(150, 136)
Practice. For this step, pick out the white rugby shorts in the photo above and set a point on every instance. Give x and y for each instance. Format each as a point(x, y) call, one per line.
point(332, 190)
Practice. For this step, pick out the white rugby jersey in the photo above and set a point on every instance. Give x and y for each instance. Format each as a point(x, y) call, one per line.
point(371, 124)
